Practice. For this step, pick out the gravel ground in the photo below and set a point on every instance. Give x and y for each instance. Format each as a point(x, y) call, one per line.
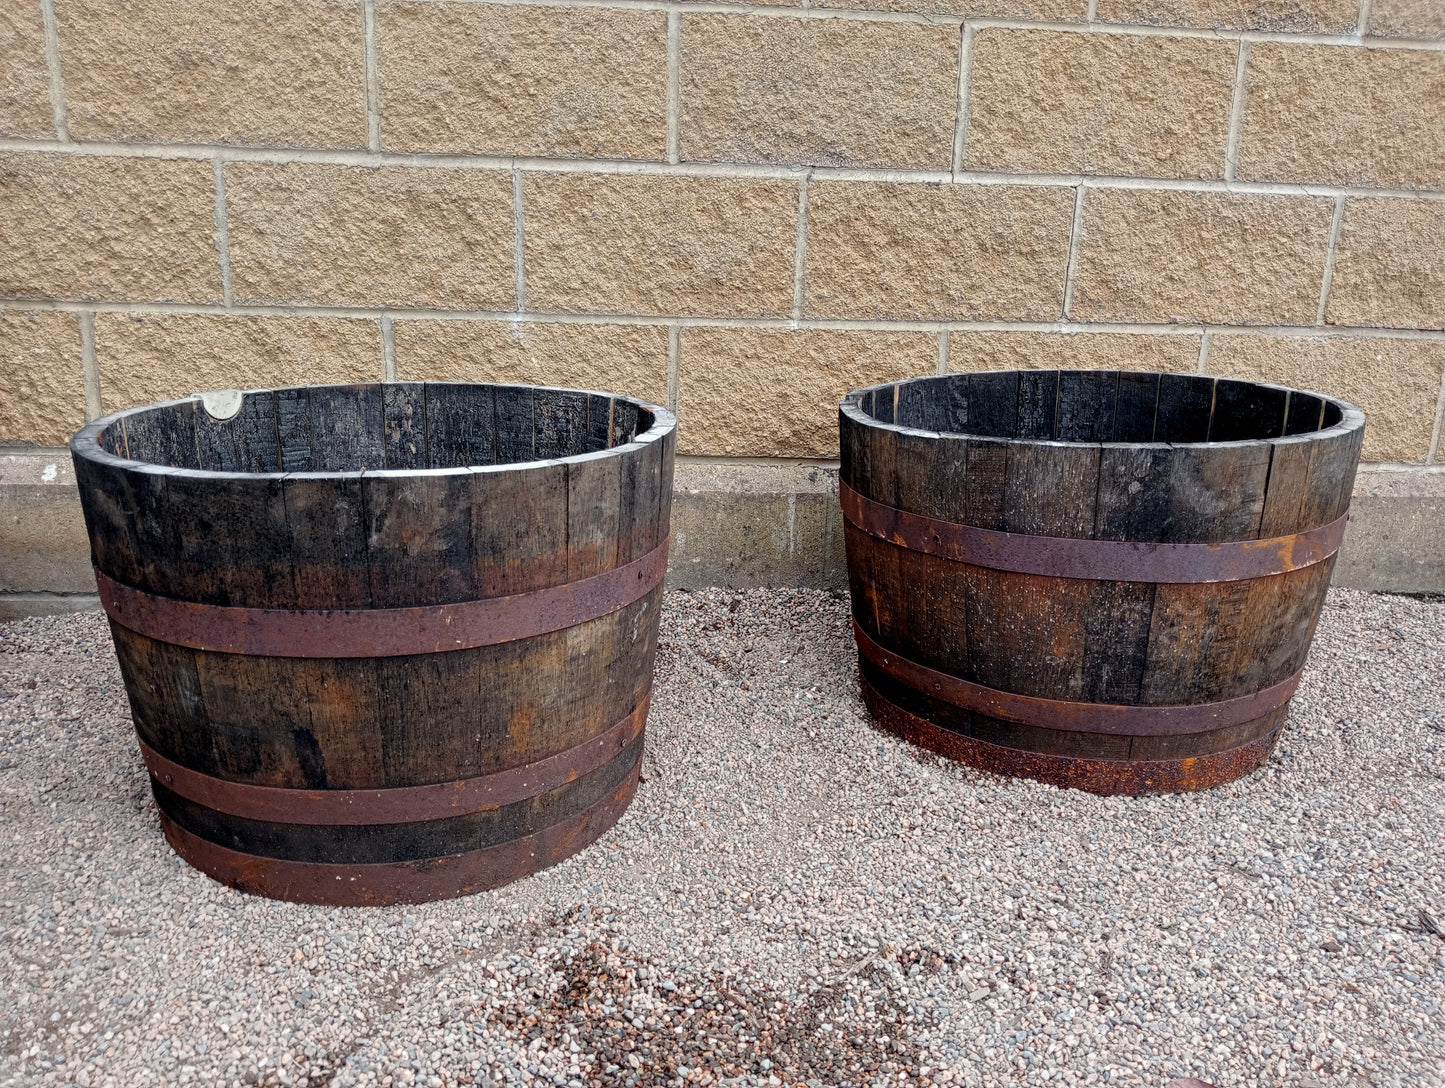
point(793, 898)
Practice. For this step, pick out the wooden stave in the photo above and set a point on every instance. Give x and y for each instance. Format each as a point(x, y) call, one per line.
point(383, 844)
point(927, 473)
point(947, 463)
point(168, 683)
point(354, 728)
point(160, 529)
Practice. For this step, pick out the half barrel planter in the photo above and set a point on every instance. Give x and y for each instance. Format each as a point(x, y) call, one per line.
point(1100, 579)
point(383, 643)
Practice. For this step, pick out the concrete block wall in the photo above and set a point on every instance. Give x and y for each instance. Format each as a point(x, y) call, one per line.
point(739, 210)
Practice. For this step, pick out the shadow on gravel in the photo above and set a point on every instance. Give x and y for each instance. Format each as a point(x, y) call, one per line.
point(636, 1023)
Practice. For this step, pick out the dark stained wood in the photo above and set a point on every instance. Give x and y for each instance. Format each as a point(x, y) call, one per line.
point(1038, 404)
point(1289, 476)
point(627, 421)
point(461, 425)
point(594, 489)
point(984, 482)
point(993, 403)
point(519, 528)
point(312, 499)
point(1050, 488)
point(931, 471)
point(1117, 621)
point(420, 537)
point(1305, 413)
point(561, 423)
point(599, 422)
point(1087, 400)
point(166, 701)
point(327, 525)
point(293, 428)
point(639, 502)
point(165, 436)
point(247, 442)
point(1131, 463)
point(403, 407)
point(346, 428)
point(1024, 634)
point(108, 503)
point(1186, 404)
point(1216, 493)
point(1245, 411)
point(1137, 406)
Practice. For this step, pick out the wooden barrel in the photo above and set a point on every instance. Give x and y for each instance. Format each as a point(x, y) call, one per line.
point(1099, 579)
point(383, 643)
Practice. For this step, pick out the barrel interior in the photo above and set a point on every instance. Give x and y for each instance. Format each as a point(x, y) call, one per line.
point(395, 425)
point(1100, 406)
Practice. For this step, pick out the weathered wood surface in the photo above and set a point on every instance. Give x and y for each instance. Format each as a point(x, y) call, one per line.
point(313, 499)
point(1117, 456)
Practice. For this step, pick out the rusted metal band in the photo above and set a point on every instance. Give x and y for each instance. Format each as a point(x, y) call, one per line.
point(1105, 560)
point(1110, 777)
point(378, 885)
point(399, 805)
point(380, 632)
point(1077, 717)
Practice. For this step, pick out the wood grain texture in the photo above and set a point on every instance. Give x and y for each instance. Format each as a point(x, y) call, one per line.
point(1105, 455)
point(330, 497)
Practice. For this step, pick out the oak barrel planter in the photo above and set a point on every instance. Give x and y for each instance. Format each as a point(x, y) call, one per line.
point(383, 643)
point(1100, 579)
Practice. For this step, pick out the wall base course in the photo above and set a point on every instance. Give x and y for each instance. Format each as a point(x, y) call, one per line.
point(735, 524)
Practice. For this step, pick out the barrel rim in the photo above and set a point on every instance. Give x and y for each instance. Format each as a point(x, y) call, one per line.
point(85, 443)
point(1352, 417)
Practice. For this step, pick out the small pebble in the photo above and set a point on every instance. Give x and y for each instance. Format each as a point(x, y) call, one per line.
point(793, 898)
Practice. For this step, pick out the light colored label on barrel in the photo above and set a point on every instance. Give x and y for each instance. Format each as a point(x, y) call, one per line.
point(222, 403)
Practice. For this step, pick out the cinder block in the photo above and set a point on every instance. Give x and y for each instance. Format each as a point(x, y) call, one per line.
point(1159, 256)
point(520, 80)
point(1344, 115)
point(1407, 19)
point(929, 251)
point(741, 526)
point(616, 244)
point(1060, 101)
point(24, 80)
point(41, 384)
point(270, 72)
point(393, 236)
point(1290, 16)
point(1071, 351)
point(825, 92)
point(629, 359)
point(1396, 382)
point(43, 546)
point(1038, 10)
point(775, 392)
point(1390, 265)
point(1393, 540)
point(156, 357)
point(90, 227)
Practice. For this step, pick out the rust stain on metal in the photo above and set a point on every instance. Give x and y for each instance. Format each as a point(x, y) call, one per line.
point(380, 632)
point(1108, 777)
point(1104, 560)
point(1073, 716)
point(397, 805)
point(379, 885)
